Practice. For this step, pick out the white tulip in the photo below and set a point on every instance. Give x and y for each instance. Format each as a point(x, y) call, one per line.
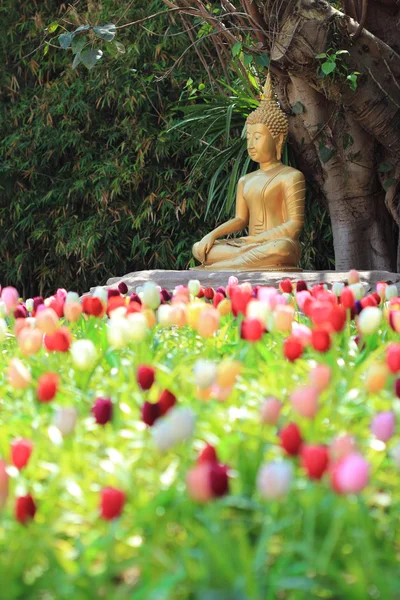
point(391, 291)
point(101, 293)
point(164, 315)
point(337, 288)
point(151, 295)
point(29, 305)
point(194, 286)
point(137, 327)
point(84, 354)
point(117, 332)
point(274, 480)
point(358, 290)
point(65, 419)
point(369, 320)
point(205, 373)
point(177, 426)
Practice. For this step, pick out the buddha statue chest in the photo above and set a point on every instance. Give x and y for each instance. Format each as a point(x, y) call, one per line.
point(264, 196)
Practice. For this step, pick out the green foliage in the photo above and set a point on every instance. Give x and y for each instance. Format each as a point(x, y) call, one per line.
point(333, 63)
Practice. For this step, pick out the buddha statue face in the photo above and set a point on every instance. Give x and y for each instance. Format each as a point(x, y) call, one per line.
point(261, 146)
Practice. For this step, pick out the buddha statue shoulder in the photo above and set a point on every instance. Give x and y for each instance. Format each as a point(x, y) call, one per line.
point(269, 203)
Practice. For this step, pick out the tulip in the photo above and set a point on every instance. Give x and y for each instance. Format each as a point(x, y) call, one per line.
point(283, 318)
point(302, 297)
point(3, 484)
point(337, 288)
point(65, 420)
point(150, 413)
point(83, 354)
point(208, 322)
point(102, 410)
point(258, 310)
point(145, 376)
point(228, 372)
point(10, 297)
point(393, 357)
point(391, 292)
point(353, 277)
point(137, 327)
point(301, 285)
point(383, 425)
point(178, 314)
point(314, 460)
point(175, 427)
point(100, 293)
point(291, 439)
point(224, 307)
point(29, 305)
point(320, 377)
point(48, 385)
point(251, 330)
point(19, 377)
point(47, 321)
point(305, 401)
point(30, 341)
point(240, 297)
point(357, 289)
point(376, 377)
point(208, 479)
point(60, 341)
point(151, 295)
point(369, 320)
point(112, 293)
point(21, 451)
point(292, 348)
point(25, 509)
point(302, 333)
point(274, 480)
point(122, 288)
point(194, 286)
point(381, 289)
point(341, 447)
point(351, 474)
point(72, 311)
point(320, 340)
point(111, 503)
point(164, 315)
point(117, 333)
point(270, 411)
point(286, 286)
point(233, 280)
point(205, 373)
point(198, 483)
point(166, 401)
point(397, 387)
point(347, 298)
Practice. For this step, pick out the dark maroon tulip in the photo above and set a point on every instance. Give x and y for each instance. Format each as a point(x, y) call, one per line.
point(102, 410)
point(219, 481)
point(122, 287)
point(150, 413)
point(25, 508)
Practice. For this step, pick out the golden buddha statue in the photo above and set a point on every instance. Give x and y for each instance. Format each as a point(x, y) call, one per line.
point(269, 201)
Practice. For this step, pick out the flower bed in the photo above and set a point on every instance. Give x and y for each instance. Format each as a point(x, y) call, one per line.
point(223, 444)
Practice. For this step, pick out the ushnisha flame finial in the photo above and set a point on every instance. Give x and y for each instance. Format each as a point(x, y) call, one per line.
point(270, 114)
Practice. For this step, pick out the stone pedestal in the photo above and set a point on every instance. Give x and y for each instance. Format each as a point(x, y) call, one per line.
point(170, 279)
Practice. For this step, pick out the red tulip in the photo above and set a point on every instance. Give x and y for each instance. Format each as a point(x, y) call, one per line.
point(208, 455)
point(150, 413)
point(291, 439)
point(252, 330)
point(301, 286)
point(315, 460)
point(209, 293)
point(25, 508)
point(102, 410)
point(59, 341)
point(145, 377)
point(48, 385)
point(111, 503)
point(321, 340)
point(286, 286)
point(21, 451)
point(219, 480)
point(217, 299)
point(292, 348)
point(58, 307)
point(393, 357)
point(347, 298)
point(91, 305)
point(166, 401)
point(240, 298)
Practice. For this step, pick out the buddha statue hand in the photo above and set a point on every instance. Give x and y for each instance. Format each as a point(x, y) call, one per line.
point(205, 246)
point(244, 241)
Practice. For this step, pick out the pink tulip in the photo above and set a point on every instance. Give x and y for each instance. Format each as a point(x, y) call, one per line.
point(19, 377)
point(341, 447)
point(354, 277)
point(301, 298)
point(352, 474)
point(233, 280)
point(10, 297)
point(270, 411)
point(269, 296)
point(275, 479)
point(3, 484)
point(302, 333)
point(208, 322)
point(305, 401)
point(383, 425)
point(198, 483)
point(320, 377)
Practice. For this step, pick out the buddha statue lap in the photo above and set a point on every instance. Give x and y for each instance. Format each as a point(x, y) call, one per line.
point(269, 201)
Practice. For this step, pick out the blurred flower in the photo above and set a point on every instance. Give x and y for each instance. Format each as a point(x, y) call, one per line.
point(21, 451)
point(233, 280)
point(205, 373)
point(320, 340)
point(218, 298)
point(25, 509)
point(100, 293)
point(102, 410)
point(251, 330)
point(137, 327)
point(48, 385)
point(151, 295)
point(83, 354)
point(393, 357)
point(65, 419)
point(270, 411)
point(164, 315)
point(72, 311)
point(391, 291)
point(283, 318)
point(94, 306)
point(47, 321)
point(175, 427)
point(350, 475)
point(286, 286)
point(302, 297)
point(208, 322)
point(208, 479)
point(301, 285)
point(383, 425)
point(122, 287)
point(291, 439)
point(228, 372)
point(150, 413)
point(10, 297)
point(353, 277)
point(111, 503)
point(166, 401)
point(292, 348)
point(194, 286)
point(397, 387)
point(19, 377)
point(347, 298)
point(3, 484)
point(240, 297)
point(20, 312)
point(302, 333)
point(341, 447)
point(117, 332)
point(72, 298)
point(274, 480)
point(320, 377)
point(357, 289)
point(209, 293)
point(305, 401)
point(369, 320)
point(60, 341)
point(178, 314)
point(337, 288)
point(376, 377)
point(145, 376)
point(30, 341)
point(29, 305)
point(315, 460)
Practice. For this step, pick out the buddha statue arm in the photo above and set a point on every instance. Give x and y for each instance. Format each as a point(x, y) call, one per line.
point(294, 191)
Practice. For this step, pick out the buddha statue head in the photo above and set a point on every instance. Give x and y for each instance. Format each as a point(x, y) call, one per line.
point(274, 120)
